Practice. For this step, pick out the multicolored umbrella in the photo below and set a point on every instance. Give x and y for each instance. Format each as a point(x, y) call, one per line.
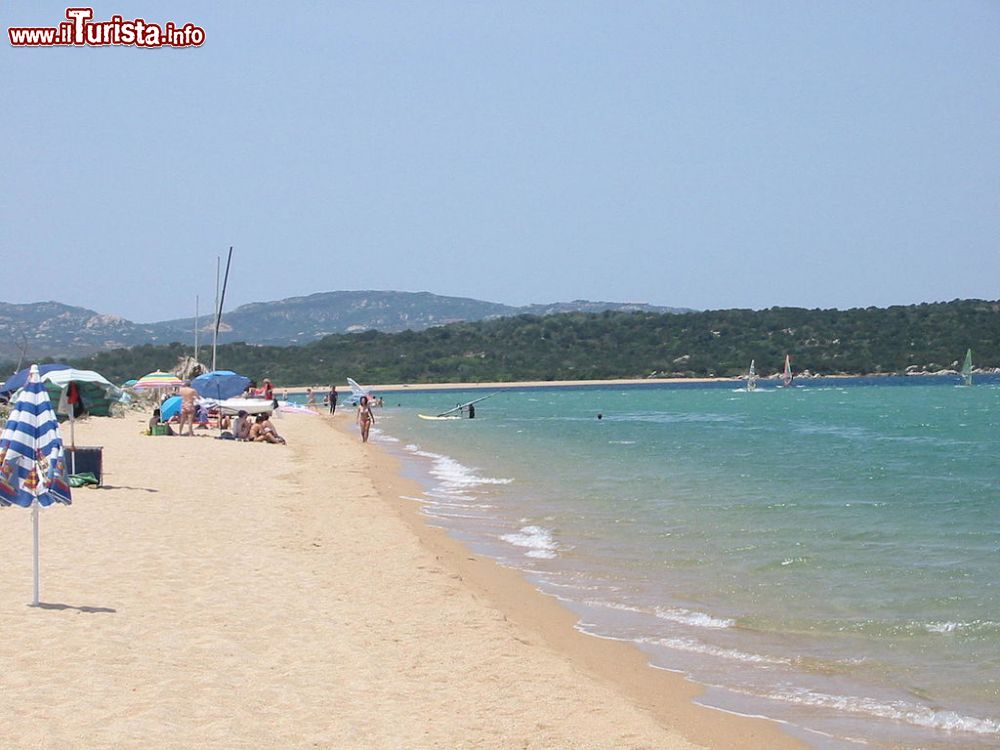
point(32, 465)
point(158, 380)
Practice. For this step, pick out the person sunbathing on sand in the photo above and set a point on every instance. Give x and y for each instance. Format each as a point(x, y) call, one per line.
point(263, 431)
point(241, 426)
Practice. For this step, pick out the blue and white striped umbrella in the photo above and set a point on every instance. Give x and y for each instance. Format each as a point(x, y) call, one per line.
point(32, 464)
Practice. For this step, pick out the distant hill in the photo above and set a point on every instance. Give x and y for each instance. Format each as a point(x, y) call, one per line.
point(302, 320)
point(54, 330)
point(51, 329)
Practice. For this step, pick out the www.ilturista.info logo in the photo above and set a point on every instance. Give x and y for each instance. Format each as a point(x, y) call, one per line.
point(80, 30)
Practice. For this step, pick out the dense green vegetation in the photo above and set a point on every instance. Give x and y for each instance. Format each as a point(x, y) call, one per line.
point(615, 344)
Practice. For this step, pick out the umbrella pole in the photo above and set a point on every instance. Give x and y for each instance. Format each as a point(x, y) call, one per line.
point(34, 523)
point(72, 439)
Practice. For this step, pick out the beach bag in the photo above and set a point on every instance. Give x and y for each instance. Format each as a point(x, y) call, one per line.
point(160, 429)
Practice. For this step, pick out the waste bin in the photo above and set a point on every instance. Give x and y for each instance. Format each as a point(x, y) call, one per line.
point(88, 458)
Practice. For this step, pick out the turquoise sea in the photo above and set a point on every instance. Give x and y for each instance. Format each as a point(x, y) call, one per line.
point(826, 555)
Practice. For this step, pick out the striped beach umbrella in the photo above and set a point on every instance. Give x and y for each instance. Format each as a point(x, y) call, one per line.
point(158, 380)
point(32, 465)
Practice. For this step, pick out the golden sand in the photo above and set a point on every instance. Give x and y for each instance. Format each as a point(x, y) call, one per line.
point(225, 595)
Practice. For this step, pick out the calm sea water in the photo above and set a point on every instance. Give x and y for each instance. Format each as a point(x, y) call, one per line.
point(826, 555)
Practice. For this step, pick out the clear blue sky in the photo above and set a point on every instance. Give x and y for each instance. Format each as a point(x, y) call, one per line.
point(696, 154)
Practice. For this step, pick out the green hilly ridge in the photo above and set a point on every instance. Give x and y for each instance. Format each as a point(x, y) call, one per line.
point(614, 344)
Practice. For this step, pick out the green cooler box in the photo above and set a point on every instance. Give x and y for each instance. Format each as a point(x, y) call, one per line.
point(89, 459)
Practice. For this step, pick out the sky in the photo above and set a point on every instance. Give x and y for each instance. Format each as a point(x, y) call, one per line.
point(690, 154)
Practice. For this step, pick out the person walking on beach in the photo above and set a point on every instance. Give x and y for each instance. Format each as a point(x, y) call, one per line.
point(188, 397)
point(310, 398)
point(332, 399)
point(365, 418)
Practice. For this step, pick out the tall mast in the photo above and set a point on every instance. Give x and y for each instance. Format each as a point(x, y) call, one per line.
point(215, 332)
point(196, 328)
point(220, 303)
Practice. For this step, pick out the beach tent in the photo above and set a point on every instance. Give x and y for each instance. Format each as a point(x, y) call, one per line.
point(32, 465)
point(18, 379)
point(93, 392)
point(220, 385)
point(79, 392)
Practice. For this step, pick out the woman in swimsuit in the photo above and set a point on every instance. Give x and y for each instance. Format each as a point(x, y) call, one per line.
point(365, 418)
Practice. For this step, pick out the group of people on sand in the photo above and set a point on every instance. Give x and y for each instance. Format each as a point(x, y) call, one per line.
point(259, 429)
point(244, 427)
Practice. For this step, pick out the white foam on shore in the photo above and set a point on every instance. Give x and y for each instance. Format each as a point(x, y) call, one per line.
point(614, 605)
point(452, 475)
point(693, 646)
point(910, 713)
point(691, 617)
point(536, 539)
point(961, 627)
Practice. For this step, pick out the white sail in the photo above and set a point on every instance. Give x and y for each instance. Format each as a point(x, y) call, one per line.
point(358, 391)
point(786, 376)
point(967, 368)
point(752, 376)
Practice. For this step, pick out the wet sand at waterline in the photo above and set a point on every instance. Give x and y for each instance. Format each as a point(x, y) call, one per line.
point(216, 594)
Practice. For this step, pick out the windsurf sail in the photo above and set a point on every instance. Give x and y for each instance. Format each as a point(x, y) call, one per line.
point(786, 376)
point(752, 377)
point(358, 391)
point(967, 368)
point(466, 405)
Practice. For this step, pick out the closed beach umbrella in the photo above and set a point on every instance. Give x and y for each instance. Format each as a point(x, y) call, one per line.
point(18, 379)
point(32, 466)
point(158, 380)
point(220, 385)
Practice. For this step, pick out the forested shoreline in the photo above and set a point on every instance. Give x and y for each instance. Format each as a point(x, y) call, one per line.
point(579, 346)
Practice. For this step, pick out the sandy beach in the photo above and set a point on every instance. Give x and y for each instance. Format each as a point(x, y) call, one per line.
point(215, 594)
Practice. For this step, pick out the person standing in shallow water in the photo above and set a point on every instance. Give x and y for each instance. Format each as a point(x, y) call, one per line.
point(365, 418)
